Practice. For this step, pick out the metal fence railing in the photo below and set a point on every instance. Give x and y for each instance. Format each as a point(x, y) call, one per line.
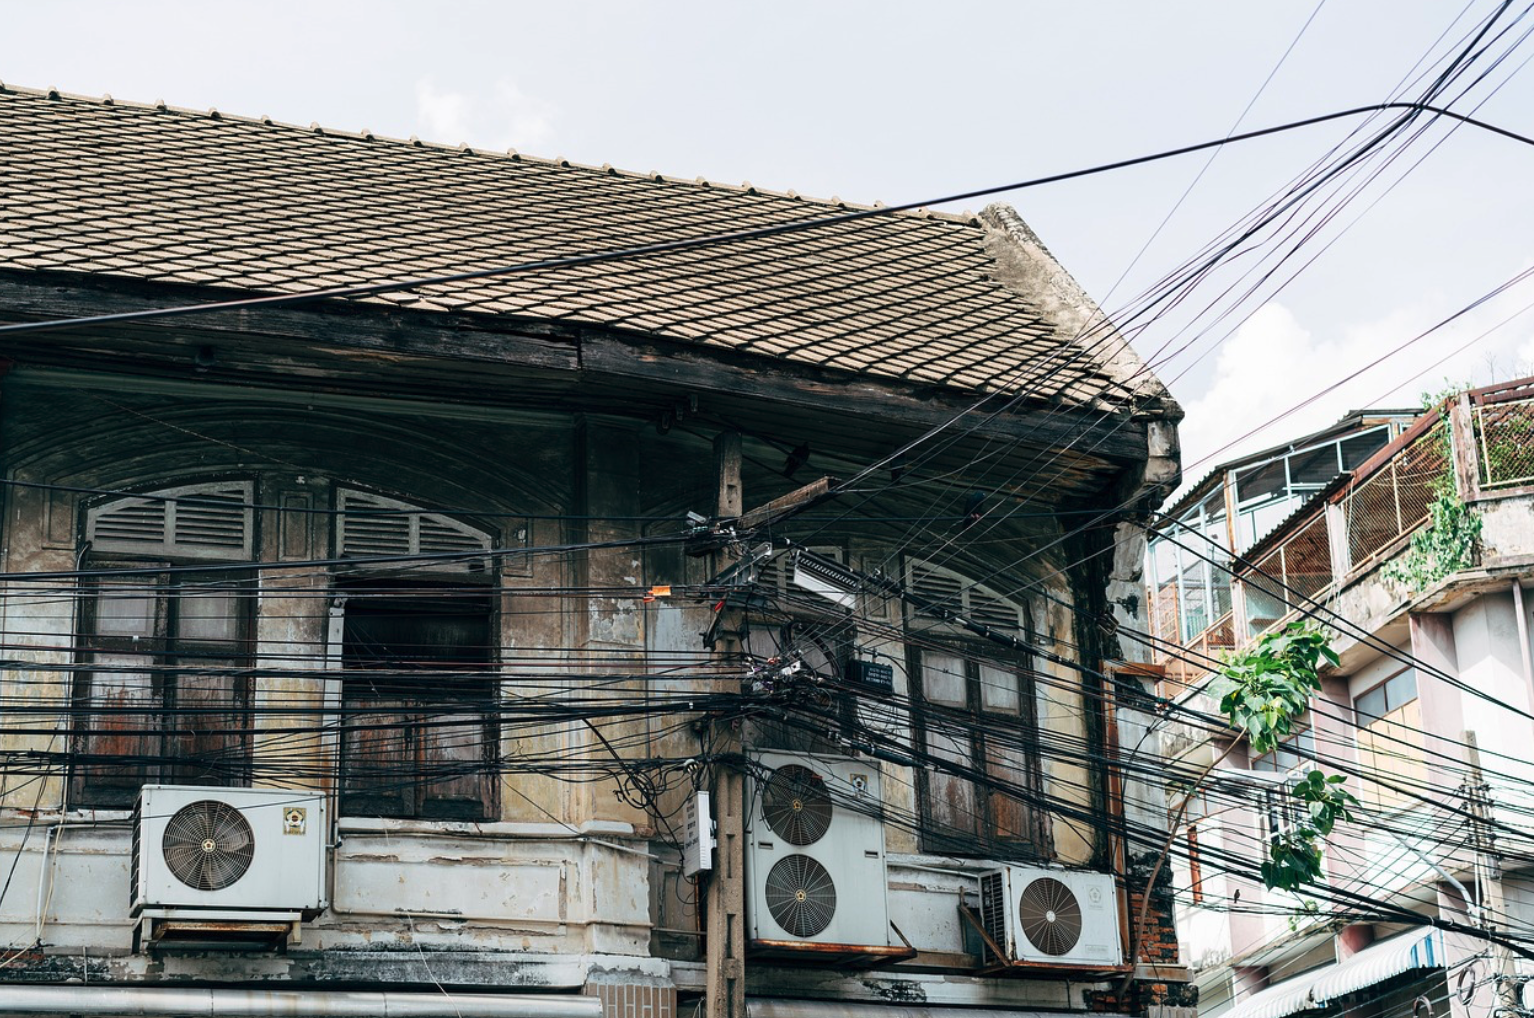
point(1504, 434)
point(1190, 662)
point(1289, 576)
point(1387, 498)
point(1393, 500)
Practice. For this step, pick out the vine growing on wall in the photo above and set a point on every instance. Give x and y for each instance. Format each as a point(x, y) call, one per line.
point(1446, 543)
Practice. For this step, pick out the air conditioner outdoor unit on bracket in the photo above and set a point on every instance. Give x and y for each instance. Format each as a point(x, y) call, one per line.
point(1052, 917)
point(815, 866)
point(254, 854)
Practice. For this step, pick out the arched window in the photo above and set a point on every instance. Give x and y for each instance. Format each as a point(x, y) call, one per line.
point(977, 721)
point(164, 643)
point(420, 681)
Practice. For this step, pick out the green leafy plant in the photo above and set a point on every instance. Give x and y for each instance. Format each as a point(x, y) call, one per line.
point(1265, 688)
point(1446, 543)
point(1294, 855)
point(1264, 691)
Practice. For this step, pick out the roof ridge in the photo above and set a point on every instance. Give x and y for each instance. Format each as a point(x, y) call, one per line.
point(965, 218)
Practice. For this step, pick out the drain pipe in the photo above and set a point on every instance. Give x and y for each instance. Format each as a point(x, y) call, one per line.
point(179, 1002)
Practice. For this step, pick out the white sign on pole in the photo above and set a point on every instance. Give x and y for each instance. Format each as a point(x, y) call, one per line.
point(697, 836)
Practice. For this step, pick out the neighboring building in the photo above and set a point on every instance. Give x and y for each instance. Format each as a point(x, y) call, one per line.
point(409, 577)
point(1426, 659)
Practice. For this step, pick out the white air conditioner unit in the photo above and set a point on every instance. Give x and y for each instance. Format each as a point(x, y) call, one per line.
point(233, 851)
point(815, 856)
point(1052, 917)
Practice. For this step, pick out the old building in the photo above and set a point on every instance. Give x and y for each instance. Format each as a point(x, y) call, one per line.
point(1410, 541)
point(375, 632)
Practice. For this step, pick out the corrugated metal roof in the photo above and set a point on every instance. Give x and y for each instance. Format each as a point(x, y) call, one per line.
point(1319, 987)
point(1377, 963)
point(760, 1007)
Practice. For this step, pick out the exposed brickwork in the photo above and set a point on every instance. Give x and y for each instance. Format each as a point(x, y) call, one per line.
point(1152, 999)
point(630, 1000)
point(1158, 937)
point(1158, 946)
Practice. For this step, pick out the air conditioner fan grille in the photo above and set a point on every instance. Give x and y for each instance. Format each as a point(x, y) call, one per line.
point(796, 805)
point(208, 845)
point(800, 895)
point(1050, 916)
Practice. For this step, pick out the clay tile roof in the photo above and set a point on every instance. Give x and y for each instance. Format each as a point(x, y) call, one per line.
point(152, 192)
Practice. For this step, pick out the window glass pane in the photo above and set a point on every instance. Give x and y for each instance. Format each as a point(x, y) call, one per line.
point(1360, 447)
point(942, 678)
point(208, 742)
point(1011, 816)
point(379, 756)
point(208, 612)
point(1397, 743)
point(423, 743)
point(1164, 558)
point(1401, 690)
point(126, 609)
point(1265, 517)
point(384, 633)
point(123, 723)
point(453, 755)
point(998, 689)
point(1371, 704)
point(1305, 744)
point(951, 798)
point(1263, 481)
point(1317, 466)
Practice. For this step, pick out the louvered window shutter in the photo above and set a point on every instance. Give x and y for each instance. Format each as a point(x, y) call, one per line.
point(773, 577)
point(199, 521)
point(371, 525)
point(946, 589)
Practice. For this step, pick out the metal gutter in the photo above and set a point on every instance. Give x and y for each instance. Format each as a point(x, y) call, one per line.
point(179, 1002)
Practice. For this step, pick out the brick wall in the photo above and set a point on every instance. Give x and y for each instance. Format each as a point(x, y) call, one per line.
point(1158, 946)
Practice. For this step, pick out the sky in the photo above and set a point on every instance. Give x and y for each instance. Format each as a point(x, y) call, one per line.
point(899, 101)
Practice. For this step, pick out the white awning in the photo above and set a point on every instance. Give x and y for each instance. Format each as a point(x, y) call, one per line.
point(1288, 997)
point(758, 1007)
point(1319, 987)
point(1377, 963)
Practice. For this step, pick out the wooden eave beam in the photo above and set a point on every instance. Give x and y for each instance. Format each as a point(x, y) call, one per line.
point(322, 345)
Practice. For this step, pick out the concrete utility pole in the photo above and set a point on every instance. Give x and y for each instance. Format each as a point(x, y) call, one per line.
point(726, 948)
point(1488, 876)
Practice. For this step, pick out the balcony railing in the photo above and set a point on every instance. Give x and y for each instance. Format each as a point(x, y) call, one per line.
point(1186, 666)
point(1504, 434)
point(1479, 444)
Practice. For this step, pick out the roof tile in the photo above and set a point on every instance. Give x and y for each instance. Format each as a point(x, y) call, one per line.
point(205, 197)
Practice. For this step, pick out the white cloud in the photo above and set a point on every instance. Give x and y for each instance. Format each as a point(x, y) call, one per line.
point(529, 119)
point(443, 115)
point(1274, 363)
point(505, 118)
